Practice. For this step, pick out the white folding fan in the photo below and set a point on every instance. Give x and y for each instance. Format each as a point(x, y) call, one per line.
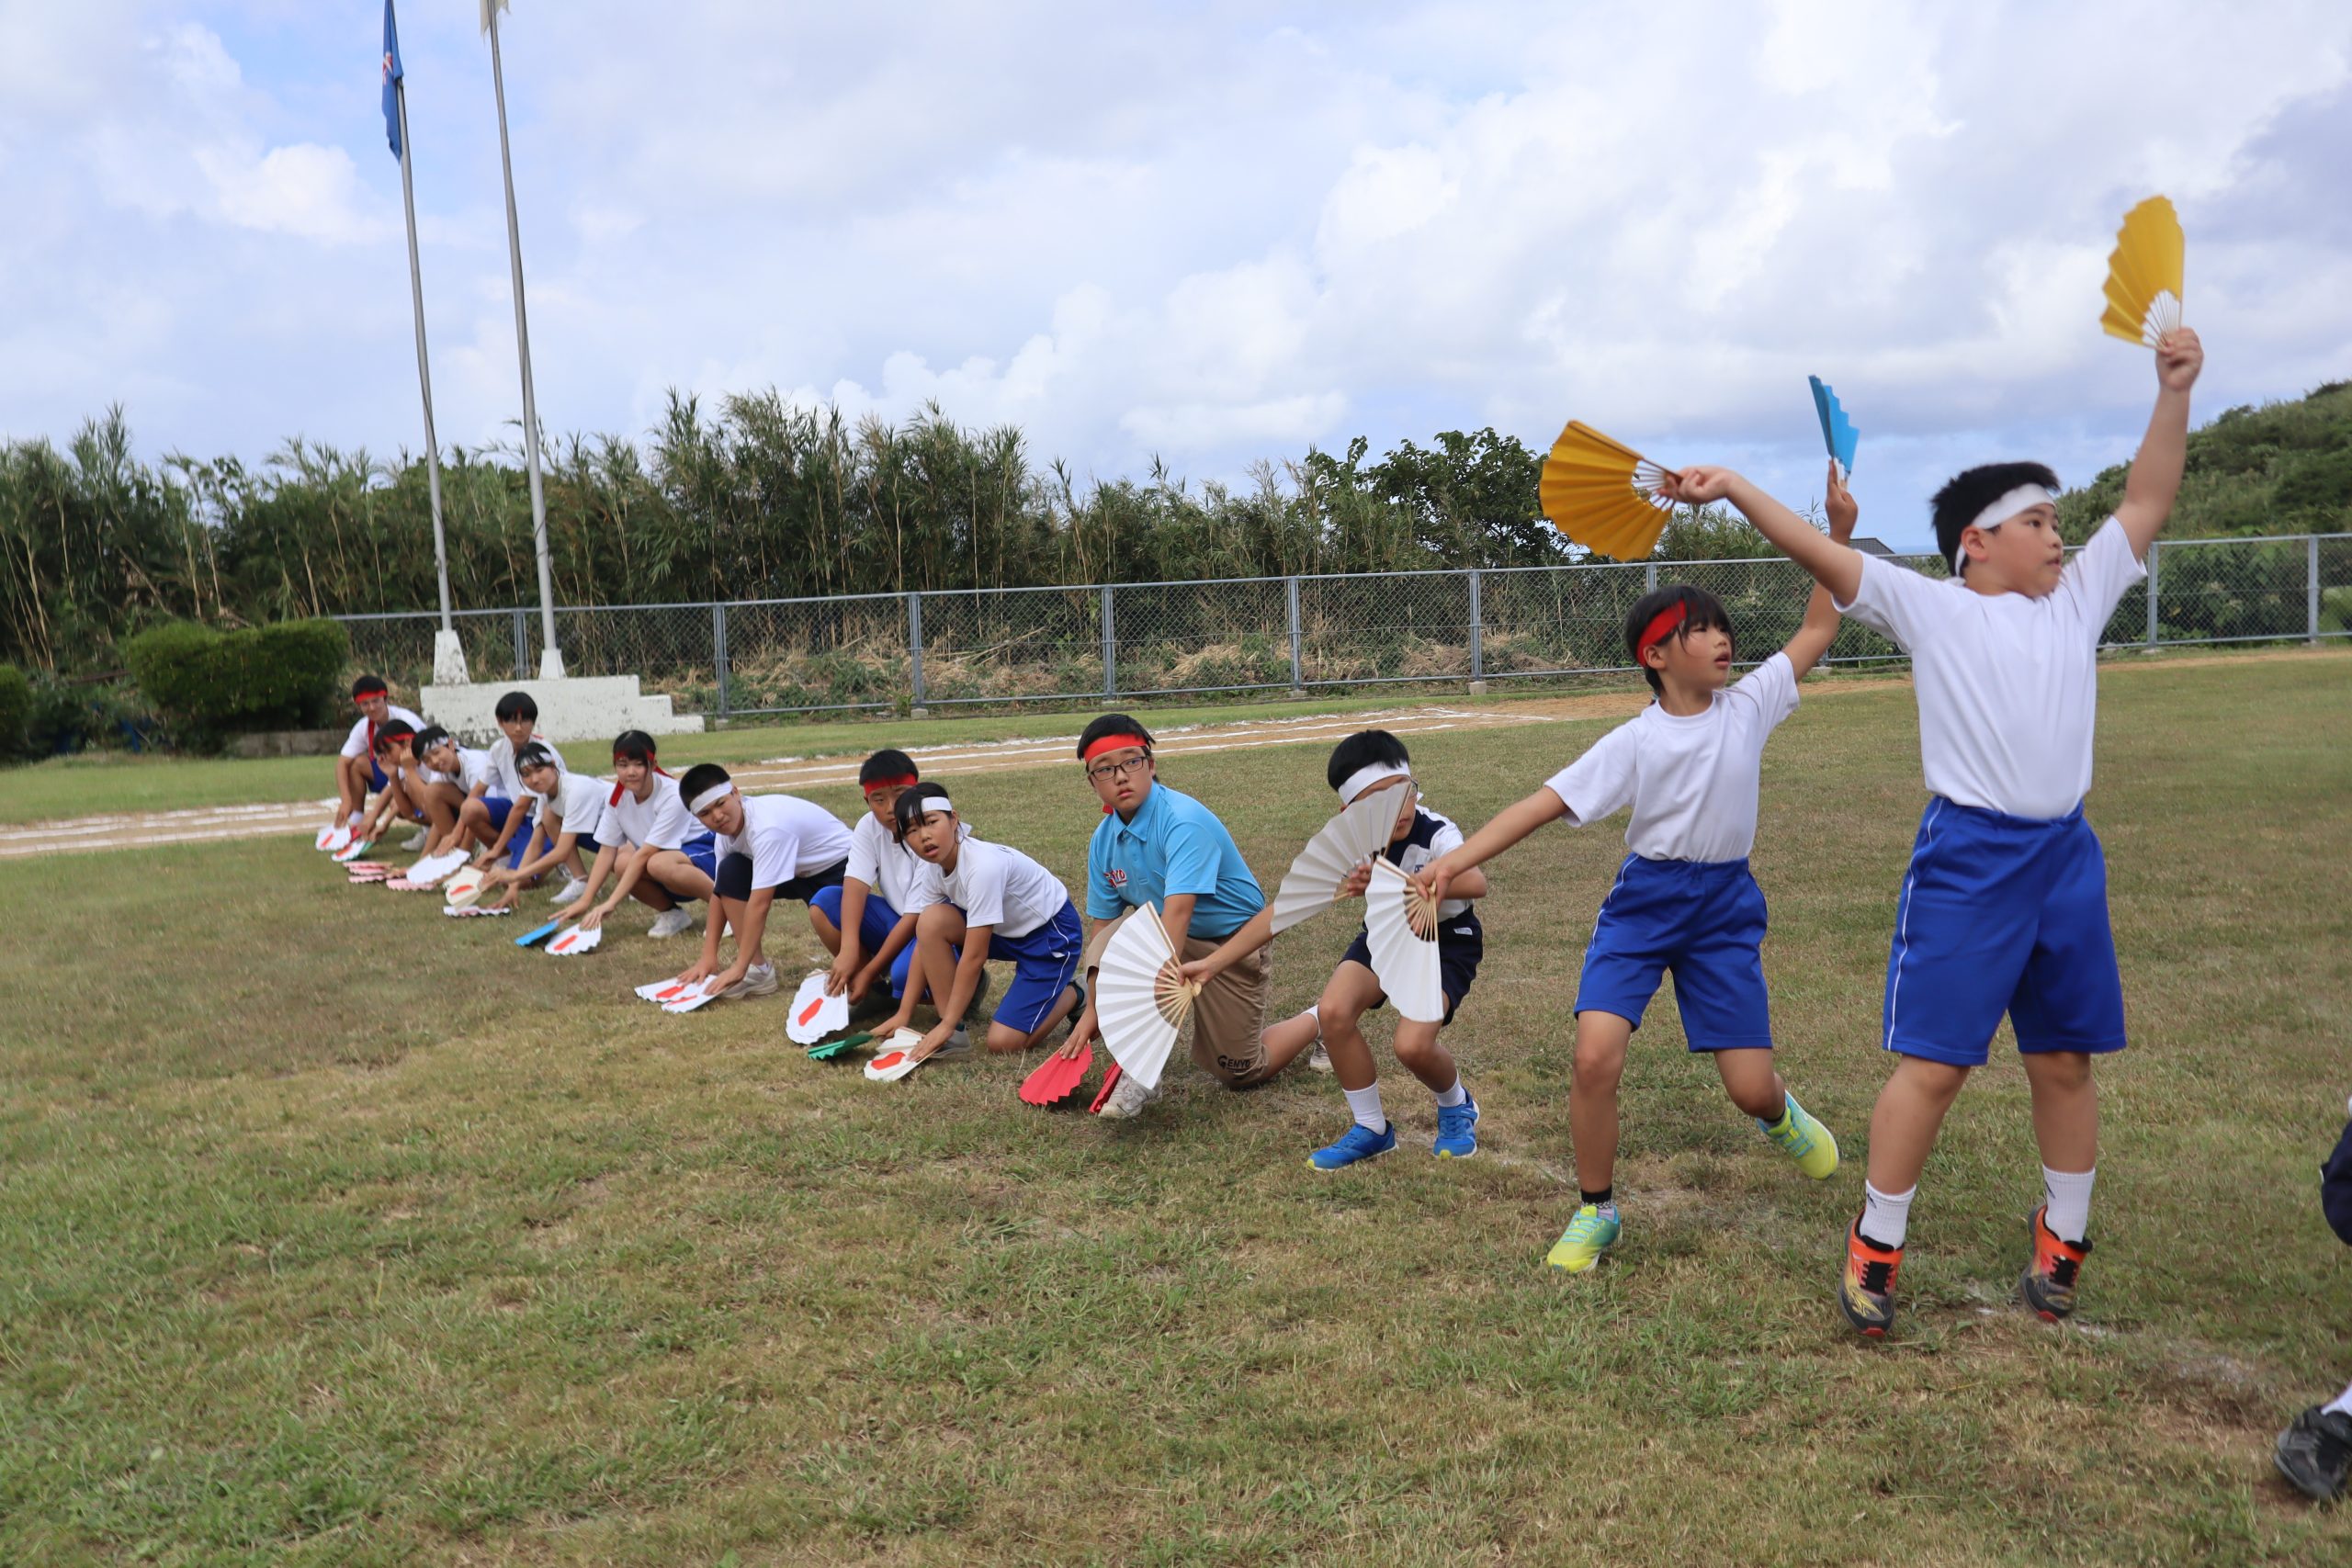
point(575, 941)
point(332, 837)
point(702, 993)
point(461, 890)
point(814, 1014)
point(433, 868)
point(896, 1059)
point(1346, 841)
point(1142, 1005)
point(1396, 913)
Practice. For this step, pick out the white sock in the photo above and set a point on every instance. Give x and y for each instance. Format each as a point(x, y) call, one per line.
point(1364, 1103)
point(2342, 1404)
point(1316, 1013)
point(1886, 1216)
point(2068, 1194)
point(1447, 1098)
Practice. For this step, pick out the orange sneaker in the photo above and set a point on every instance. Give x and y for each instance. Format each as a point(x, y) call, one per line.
point(2049, 1286)
point(1867, 1295)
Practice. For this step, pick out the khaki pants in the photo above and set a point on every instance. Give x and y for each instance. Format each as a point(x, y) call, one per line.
point(1229, 1016)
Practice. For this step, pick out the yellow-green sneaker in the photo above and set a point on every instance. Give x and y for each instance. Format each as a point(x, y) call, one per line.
point(1804, 1140)
point(1589, 1234)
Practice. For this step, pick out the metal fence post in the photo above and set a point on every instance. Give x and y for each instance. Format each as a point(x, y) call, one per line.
point(2155, 549)
point(718, 654)
point(914, 652)
point(1110, 650)
point(2310, 586)
point(1297, 662)
point(1478, 638)
point(1649, 577)
point(521, 645)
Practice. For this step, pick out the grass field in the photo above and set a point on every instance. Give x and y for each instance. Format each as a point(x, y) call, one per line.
point(333, 1231)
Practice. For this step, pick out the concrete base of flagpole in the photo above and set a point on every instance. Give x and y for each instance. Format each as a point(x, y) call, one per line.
point(448, 660)
point(551, 664)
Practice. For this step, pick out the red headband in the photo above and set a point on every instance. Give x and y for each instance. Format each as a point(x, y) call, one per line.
point(1119, 742)
point(889, 783)
point(1661, 626)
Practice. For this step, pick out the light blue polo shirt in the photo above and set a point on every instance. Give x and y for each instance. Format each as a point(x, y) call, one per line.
point(1174, 845)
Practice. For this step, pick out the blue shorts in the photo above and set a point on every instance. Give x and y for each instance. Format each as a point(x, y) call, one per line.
point(702, 851)
point(1703, 919)
point(499, 809)
point(874, 928)
point(2002, 914)
point(375, 779)
point(1461, 943)
point(1044, 963)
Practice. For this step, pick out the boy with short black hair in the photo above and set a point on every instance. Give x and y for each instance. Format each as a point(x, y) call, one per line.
point(1157, 847)
point(1367, 762)
point(504, 818)
point(355, 772)
point(450, 778)
point(766, 847)
point(1684, 899)
point(670, 860)
point(2004, 907)
point(868, 921)
point(571, 807)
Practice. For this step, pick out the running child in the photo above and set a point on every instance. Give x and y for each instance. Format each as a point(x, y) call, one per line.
point(766, 847)
point(1157, 847)
point(450, 778)
point(2004, 907)
point(668, 861)
point(1684, 899)
point(868, 922)
point(1370, 760)
point(987, 901)
point(494, 820)
point(571, 807)
point(357, 776)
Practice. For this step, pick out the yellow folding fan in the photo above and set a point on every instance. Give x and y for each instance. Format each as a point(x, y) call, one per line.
point(2144, 276)
point(1603, 495)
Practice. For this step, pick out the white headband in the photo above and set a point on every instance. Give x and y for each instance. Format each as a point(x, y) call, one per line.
point(712, 797)
point(1365, 779)
point(932, 803)
point(2022, 499)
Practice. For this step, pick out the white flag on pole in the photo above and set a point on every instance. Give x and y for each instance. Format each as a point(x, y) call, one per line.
point(488, 6)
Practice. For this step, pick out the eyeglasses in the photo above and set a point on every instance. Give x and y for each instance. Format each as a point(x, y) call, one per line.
point(1110, 771)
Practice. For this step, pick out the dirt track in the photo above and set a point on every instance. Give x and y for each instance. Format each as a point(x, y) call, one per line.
point(139, 830)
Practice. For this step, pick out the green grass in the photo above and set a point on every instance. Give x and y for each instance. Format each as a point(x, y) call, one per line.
point(332, 1231)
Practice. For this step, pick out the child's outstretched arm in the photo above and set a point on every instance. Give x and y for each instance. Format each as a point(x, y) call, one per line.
point(1821, 617)
point(1835, 567)
point(2155, 478)
point(1511, 824)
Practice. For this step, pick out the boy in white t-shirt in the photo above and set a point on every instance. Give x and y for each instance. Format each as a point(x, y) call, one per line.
point(986, 901)
point(452, 777)
point(1684, 899)
point(505, 817)
point(867, 923)
point(357, 774)
point(669, 861)
point(571, 807)
point(766, 847)
point(2004, 907)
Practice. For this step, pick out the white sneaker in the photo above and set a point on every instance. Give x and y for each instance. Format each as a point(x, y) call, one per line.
point(1319, 1059)
point(573, 888)
point(415, 841)
point(670, 922)
point(759, 980)
point(1129, 1097)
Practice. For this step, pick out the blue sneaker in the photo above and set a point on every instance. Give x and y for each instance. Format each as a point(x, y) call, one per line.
point(1457, 1130)
point(1358, 1143)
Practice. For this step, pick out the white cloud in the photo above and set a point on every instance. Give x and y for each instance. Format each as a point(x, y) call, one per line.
point(1215, 233)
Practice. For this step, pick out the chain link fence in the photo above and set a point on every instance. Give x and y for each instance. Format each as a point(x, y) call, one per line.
point(1138, 641)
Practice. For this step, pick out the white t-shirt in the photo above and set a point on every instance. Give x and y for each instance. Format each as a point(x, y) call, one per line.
point(473, 767)
point(660, 821)
point(1691, 782)
point(356, 744)
point(786, 837)
point(888, 866)
point(506, 779)
point(994, 885)
point(581, 804)
point(2007, 686)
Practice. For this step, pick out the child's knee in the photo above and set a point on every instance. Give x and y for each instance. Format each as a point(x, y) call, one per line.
point(2064, 1072)
point(1003, 1039)
point(1417, 1049)
point(1599, 1064)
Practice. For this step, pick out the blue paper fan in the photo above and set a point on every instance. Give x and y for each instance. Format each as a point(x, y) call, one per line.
point(1838, 431)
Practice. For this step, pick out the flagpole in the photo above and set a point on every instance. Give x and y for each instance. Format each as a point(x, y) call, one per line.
point(550, 656)
point(449, 652)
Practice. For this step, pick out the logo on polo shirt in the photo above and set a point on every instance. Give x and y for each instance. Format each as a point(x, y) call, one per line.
point(1118, 877)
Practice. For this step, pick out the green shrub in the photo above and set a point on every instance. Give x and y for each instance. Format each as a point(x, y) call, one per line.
point(15, 711)
point(211, 685)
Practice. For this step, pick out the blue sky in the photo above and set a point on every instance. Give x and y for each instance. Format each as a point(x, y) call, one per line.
point(1212, 232)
